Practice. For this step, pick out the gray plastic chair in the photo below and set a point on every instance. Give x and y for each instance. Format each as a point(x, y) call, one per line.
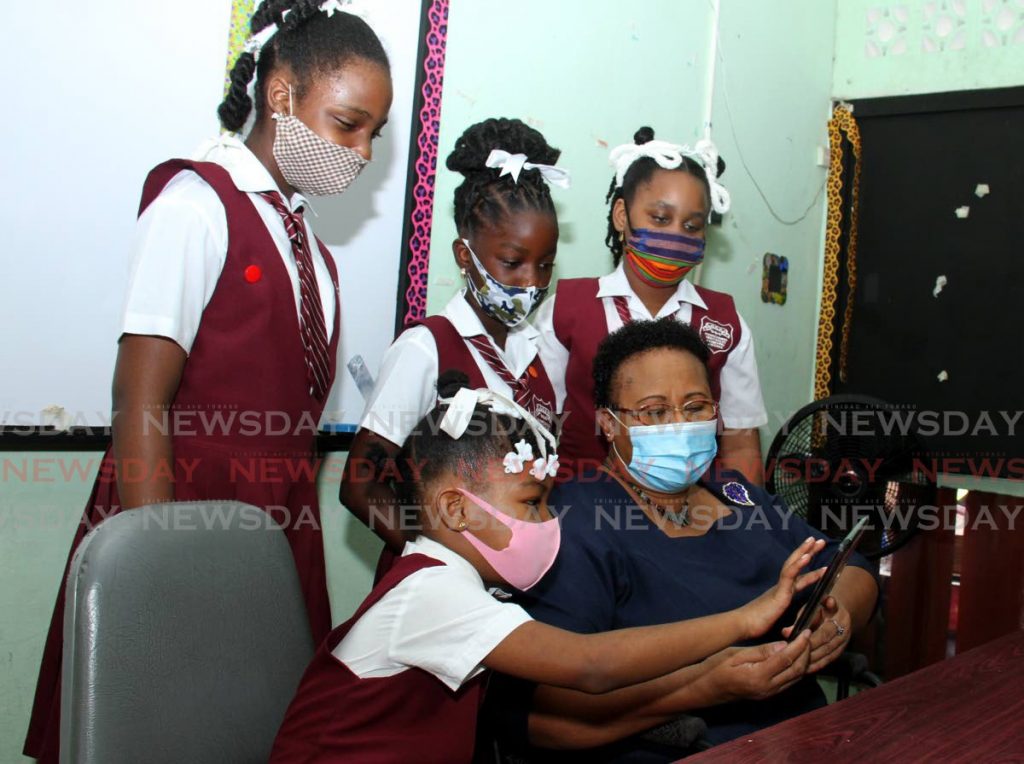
point(185, 636)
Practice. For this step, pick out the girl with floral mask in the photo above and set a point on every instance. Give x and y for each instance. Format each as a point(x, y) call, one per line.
point(661, 199)
point(506, 236)
point(233, 304)
point(402, 679)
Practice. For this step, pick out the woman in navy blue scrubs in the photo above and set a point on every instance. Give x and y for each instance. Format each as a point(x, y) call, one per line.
point(654, 536)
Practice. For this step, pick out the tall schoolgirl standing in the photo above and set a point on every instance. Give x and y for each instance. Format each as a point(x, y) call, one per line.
point(660, 200)
point(231, 321)
point(507, 238)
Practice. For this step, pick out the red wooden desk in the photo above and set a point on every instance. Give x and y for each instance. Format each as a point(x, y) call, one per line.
point(967, 708)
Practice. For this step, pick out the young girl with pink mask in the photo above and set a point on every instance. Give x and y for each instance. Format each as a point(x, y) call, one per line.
point(402, 679)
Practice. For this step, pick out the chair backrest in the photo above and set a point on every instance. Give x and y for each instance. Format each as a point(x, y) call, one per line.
point(185, 636)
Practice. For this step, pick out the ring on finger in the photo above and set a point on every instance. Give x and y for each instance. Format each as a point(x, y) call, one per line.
point(840, 629)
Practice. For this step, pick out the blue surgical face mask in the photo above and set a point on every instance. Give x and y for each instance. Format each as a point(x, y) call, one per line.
point(669, 458)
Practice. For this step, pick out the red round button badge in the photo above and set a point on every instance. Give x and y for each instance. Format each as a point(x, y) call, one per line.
point(253, 274)
point(532, 372)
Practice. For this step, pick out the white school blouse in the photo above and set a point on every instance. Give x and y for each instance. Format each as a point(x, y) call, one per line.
point(439, 619)
point(741, 404)
point(406, 387)
point(181, 244)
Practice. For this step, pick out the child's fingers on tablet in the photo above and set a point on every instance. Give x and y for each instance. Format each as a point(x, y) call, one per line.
point(796, 655)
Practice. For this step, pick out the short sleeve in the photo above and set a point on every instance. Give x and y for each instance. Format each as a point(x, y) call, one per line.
point(552, 352)
point(741, 401)
point(449, 625)
point(406, 387)
point(179, 252)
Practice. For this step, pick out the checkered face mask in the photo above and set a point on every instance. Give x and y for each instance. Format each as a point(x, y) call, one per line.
point(311, 164)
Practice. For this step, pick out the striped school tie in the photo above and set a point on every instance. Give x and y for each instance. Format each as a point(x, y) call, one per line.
point(622, 306)
point(311, 324)
point(521, 392)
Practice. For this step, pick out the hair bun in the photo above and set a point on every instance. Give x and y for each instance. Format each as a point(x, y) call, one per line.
point(643, 135)
point(511, 135)
point(450, 381)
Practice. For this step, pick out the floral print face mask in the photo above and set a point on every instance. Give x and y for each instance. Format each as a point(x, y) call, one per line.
point(511, 305)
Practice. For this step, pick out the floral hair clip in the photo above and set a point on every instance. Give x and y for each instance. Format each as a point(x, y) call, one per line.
point(460, 412)
point(516, 461)
point(545, 468)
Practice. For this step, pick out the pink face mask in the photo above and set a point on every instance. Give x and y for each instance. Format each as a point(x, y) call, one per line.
point(530, 552)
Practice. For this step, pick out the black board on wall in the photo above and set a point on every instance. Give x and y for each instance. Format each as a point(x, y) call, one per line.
point(923, 157)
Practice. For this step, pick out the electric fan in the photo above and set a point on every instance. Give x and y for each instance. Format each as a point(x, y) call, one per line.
point(845, 456)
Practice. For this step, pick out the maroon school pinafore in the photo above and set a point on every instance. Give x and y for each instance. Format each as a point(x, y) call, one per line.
point(337, 716)
point(580, 323)
point(452, 353)
point(243, 421)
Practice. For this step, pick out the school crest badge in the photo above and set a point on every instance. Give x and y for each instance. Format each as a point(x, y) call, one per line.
point(717, 336)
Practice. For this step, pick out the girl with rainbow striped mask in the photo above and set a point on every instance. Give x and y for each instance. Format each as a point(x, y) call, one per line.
point(661, 200)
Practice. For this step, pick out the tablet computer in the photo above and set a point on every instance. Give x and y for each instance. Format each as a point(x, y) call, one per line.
point(824, 586)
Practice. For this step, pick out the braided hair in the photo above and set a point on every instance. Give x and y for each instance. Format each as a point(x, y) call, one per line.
point(639, 173)
point(486, 197)
point(429, 452)
point(307, 41)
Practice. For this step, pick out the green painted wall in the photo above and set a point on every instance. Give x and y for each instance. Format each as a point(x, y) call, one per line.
point(925, 46)
point(771, 105)
point(586, 73)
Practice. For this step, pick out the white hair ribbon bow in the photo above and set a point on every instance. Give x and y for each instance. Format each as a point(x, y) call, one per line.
point(513, 164)
point(460, 413)
point(346, 6)
point(669, 156)
point(255, 43)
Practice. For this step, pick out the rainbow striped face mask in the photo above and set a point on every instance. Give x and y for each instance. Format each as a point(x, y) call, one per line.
point(662, 259)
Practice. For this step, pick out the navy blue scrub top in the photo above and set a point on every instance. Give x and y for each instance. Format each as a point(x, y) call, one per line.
point(617, 569)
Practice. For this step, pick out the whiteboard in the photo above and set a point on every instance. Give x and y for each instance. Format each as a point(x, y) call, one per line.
point(100, 93)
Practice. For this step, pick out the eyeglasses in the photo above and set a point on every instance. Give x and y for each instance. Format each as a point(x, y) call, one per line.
point(696, 410)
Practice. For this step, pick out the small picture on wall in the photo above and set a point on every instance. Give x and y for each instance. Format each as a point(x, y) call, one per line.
point(773, 281)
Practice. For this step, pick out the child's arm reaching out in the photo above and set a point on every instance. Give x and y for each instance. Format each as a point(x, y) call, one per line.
point(599, 663)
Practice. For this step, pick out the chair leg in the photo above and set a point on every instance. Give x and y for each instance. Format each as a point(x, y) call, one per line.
point(842, 687)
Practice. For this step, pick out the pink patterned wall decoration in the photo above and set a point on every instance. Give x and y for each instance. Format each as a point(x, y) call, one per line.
point(429, 120)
